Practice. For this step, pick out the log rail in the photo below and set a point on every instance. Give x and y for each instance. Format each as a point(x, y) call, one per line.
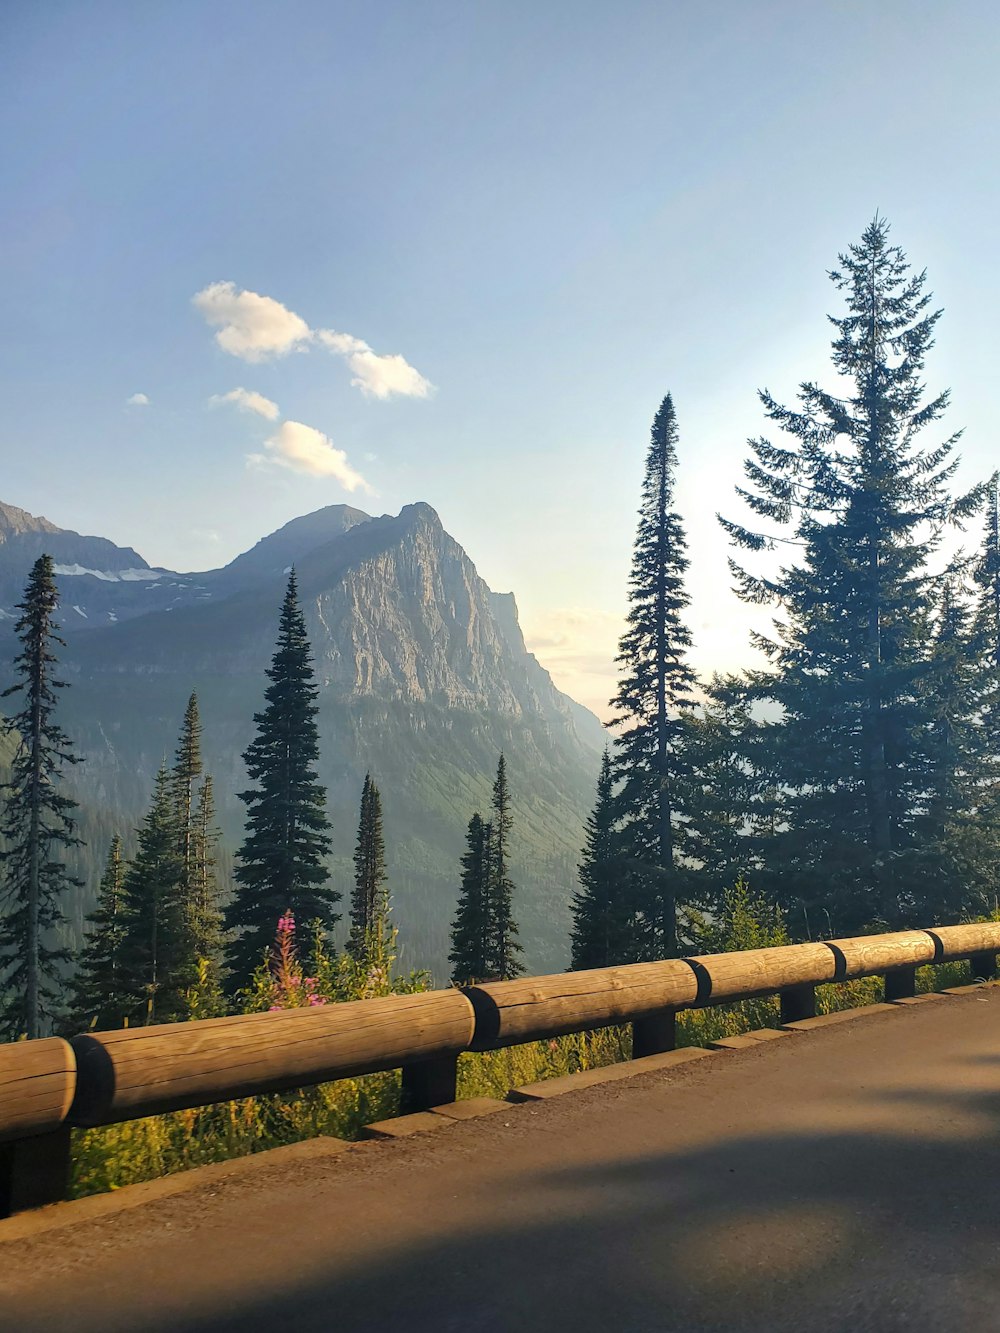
point(49, 1086)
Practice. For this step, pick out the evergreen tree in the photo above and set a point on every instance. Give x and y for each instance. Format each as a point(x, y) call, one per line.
point(986, 644)
point(281, 860)
point(184, 776)
point(603, 914)
point(955, 862)
point(470, 944)
point(369, 940)
point(502, 942)
point(654, 698)
point(733, 797)
point(865, 507)
point(99, 999)
point(203, 908)
point(186, 771)
point(38, 820)
point(157, 948)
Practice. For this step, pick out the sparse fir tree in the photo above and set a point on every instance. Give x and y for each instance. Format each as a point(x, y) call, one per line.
point(603, 932)
point(860, 507)
point(986, 638)
point(281, 861)
point(654, 699)
point(502, 942)
point(100, 999)
point(470, 943)
point(157, 949)
point(370, 938)
point(184, 776)
point(38, 820)
point(204, 911)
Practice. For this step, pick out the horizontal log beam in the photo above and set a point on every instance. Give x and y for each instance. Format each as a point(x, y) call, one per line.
point(37, 1083)
point(746, 973)
point(510, 1012)
point(871, 955)
point(975, 937)
point(145, 1071)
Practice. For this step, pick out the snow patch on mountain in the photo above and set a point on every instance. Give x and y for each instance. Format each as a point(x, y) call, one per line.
point(113, 576)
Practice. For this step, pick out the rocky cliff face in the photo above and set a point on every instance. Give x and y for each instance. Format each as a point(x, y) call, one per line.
point(424, 679)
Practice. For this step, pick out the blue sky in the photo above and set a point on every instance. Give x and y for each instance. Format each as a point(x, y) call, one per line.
point(548, 214)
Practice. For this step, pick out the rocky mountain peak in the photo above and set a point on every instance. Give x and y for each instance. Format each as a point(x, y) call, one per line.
point(14, 522)
point(289, 544)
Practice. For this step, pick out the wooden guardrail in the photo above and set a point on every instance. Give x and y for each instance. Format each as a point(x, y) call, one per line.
point(49, 1086)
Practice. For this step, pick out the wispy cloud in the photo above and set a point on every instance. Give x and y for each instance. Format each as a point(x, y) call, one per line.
point(302, 448)
point(250, 326)
point(138, 400)
point(255, 327)
point(376, 376)
point(247, 400)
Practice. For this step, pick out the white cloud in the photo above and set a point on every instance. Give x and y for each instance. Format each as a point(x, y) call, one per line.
point(383, 376)
point(138, 400)
point(342, 343)
point(250, 326)
point(303, 449)
point(255, 327)
point(247, 400)
point(376, 376)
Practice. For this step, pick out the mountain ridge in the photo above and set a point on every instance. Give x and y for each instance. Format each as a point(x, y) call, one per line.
point(424, 678)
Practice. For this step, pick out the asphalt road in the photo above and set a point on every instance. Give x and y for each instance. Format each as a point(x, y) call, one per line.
point(841, 1179)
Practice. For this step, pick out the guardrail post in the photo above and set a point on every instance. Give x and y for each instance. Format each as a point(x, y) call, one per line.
point(653, 1033)
point(34, 1171)
point(900, 984)
point(983, 965)
point(797, 1002)
point(428, 1083)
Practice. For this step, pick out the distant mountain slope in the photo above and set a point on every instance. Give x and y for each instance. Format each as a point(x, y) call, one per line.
point(424, 678)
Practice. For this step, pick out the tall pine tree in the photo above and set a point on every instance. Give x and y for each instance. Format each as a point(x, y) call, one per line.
point(100, 999)
point(184, 776)
point(470, 936)
point(603, 926)
point(157, 949)
point(204, 909)
point(197, 839)
point(860, 507)
point(502, 943)
point(281, 861)
point(370, 938)
point(38, 819)
point(654, 699)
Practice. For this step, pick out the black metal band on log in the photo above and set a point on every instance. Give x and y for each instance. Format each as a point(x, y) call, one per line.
point(37, 1083)
point(136, 1072)
point(510, 1012)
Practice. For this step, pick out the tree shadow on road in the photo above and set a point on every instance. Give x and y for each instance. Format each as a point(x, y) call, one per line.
point(820, 1230)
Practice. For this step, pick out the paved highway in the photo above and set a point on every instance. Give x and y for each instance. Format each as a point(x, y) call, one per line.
point(840, 1179)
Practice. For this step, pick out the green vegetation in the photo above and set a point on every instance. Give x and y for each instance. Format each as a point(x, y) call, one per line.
point(370, 937)
point(652, 706)
point(281, 862)
point(37, 822)
point(484, 943)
